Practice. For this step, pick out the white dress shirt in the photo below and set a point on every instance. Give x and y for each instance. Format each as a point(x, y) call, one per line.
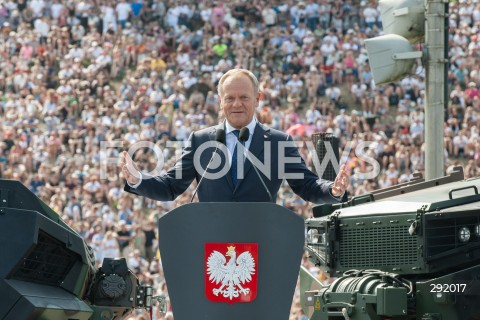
point(232, 140)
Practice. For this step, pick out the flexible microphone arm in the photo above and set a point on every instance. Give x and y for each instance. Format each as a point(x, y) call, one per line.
point(220, 138)
point(243, 136)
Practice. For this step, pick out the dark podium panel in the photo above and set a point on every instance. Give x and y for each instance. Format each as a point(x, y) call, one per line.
point(183, 233)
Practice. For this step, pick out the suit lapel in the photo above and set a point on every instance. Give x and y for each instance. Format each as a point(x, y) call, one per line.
point(212, 138)
point(214, 131)
point(260, 135)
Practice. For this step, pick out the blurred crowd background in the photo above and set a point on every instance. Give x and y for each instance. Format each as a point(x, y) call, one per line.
point(74, 74)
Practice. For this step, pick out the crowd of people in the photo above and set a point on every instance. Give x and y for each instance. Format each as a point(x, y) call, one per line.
point(76, 76)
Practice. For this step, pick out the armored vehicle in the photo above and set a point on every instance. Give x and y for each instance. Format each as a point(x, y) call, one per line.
point(47, 271)
point(411, 251)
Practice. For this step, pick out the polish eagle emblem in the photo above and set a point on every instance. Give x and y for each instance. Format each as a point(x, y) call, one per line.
point(229, 278)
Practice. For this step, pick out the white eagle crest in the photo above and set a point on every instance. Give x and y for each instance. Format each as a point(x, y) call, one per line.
point(231, 274)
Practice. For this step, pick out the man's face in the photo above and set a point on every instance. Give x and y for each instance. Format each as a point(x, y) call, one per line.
point(239, 100)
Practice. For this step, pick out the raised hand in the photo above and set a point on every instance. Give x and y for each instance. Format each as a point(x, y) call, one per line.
point(341, 182)
point(129, 169)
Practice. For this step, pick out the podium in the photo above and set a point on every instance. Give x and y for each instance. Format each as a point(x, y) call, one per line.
point(186, 233)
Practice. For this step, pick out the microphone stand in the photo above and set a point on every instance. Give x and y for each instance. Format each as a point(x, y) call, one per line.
point(220, 138)
point(243, 136)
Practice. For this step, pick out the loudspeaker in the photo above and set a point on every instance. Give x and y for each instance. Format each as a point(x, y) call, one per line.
point(326, 146)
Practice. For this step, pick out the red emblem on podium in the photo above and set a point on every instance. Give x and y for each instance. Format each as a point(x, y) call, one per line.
point(231, 272)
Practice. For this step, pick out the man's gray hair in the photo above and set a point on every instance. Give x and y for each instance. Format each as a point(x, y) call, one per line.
point(232, 72)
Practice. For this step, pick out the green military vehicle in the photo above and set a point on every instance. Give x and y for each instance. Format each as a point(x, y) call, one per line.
point(411, 251)
point(47, 271)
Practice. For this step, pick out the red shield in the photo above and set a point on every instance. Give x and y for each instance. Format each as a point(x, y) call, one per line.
point(231, 272)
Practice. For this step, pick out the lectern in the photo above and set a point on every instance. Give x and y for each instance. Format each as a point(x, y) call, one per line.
point(187, 235)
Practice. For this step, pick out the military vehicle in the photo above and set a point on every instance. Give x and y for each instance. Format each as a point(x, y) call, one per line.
point(47, 272)
point(411, 251)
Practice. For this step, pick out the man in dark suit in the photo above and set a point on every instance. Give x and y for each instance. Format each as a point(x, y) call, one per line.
point(239, 97)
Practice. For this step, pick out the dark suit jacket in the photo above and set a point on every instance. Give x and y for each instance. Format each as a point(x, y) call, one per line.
point(250, 189)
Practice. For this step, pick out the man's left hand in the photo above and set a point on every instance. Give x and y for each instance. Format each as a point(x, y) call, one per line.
point(341, 182)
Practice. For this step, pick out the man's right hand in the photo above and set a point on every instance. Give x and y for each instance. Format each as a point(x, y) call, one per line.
point(129, 169)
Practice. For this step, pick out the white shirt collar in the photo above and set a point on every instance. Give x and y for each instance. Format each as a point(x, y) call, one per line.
point(251, 126)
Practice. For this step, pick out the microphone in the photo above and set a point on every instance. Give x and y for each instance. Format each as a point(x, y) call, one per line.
point(243, 136)
point(220, 139)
